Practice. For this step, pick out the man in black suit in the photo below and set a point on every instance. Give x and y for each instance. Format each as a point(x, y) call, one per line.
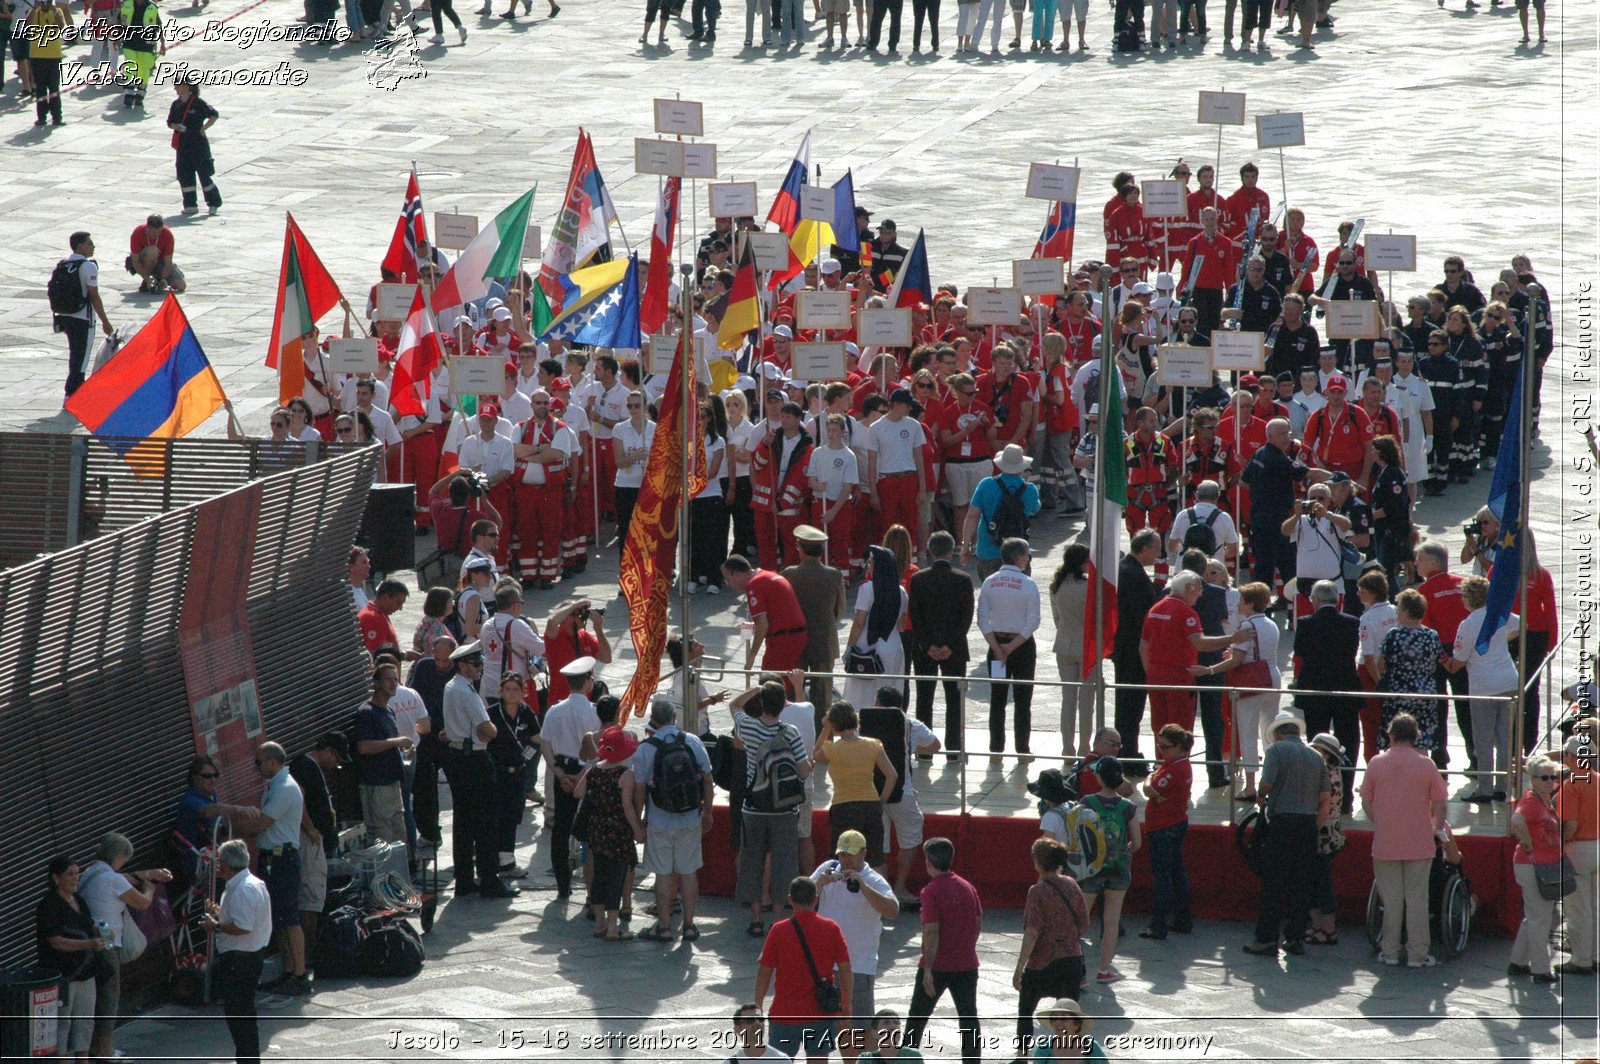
point(1136, 593)
point(1325, 647)
point(941, 611)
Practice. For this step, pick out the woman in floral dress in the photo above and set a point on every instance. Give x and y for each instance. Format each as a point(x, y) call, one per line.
point(1407, 662)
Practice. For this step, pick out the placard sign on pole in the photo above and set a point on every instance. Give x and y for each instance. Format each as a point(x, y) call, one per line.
point(1184, 367)
point(1048, 181)
point(394, 301)
point(700, 161)
point(663, 158)
point(1284, 130)
point(1238, 352)
point(1353, 319)
point(819, 361)
point(883, 327)
point(477, 375)
point(772, 250)
point(1164, 199)
point(1038, 277)
point(816, 204)
point(1221, 108)
point(454, 231)
point(823, 310)
point(662, 347)
point(358, 354)
point(1391, 251)
point(533, 243)
point(684, 118)
point(993, 306)
point(732, 199)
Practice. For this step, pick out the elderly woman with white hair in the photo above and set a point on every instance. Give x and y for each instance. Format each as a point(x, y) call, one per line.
point(242, 926)
point(1491, 675)
point(110, 894)
point(1537, 830)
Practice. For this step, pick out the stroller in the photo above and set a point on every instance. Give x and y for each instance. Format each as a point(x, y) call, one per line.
point(193, 949)
point(1450, 904)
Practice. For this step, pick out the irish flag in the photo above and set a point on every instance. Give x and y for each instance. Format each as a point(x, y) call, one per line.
point(1111, 497)
point(305, 293)
point(495, 253)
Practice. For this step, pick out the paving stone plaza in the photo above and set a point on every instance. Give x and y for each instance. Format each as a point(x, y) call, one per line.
point(1421, 117)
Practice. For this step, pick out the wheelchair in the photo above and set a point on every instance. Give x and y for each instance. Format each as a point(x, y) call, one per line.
point(1450, 909)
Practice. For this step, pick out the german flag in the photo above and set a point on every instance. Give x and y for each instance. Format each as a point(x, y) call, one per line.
point(744, 305)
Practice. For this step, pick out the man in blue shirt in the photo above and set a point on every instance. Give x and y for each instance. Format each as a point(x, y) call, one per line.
point(379, 767)
point(672, 839)
point(1011, 463)
point(278, 857)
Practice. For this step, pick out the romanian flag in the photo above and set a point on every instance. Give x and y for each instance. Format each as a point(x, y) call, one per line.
point(305, 293)
point(158, 387)
point(786, 207)
point(652, 538)
point(913, 284)
point(744, 305)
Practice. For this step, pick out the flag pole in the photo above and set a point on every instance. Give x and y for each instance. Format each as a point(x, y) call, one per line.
point(686, 376)
point(1108, 367)
point(1524, 554)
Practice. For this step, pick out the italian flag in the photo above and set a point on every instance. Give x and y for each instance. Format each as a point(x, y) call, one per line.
point(495, 253)
point(1112, 496)
point(305, 293)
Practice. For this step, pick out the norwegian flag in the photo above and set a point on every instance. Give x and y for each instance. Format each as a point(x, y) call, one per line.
point(410, 229)
point(658, 285)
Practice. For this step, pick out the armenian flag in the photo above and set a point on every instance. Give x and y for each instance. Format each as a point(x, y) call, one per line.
point(158, 387)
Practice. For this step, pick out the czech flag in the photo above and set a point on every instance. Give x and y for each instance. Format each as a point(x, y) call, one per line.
point(913, 285)
point(158, 387)
point(786, 207)
point(1055, 239)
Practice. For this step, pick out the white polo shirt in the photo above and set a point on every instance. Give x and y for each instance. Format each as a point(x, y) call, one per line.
point(896, 444)
point(836, 469)
point(493, 457)
point(245, 905)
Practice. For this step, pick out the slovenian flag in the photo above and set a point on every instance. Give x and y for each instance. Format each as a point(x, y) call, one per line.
point(160, 386)
point(494, 254)
point(786, 207)
point(1055, 239)
point(913, 284)
point(599, 305)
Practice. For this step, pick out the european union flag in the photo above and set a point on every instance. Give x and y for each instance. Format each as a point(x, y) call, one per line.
point(1505, 502)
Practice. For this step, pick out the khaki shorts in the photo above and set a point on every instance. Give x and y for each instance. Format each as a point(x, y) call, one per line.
point(803, 828)
point(313, 875)
point(962, 478)
point(835, 7)
point(669, 851)
point(906, 819)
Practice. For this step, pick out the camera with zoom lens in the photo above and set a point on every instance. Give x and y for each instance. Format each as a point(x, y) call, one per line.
point(477, 483)
point(1473, 528)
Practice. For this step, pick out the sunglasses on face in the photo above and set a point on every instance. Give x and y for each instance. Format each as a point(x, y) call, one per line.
point(1451, 272)
point(342, 429)
point(491, 535)
point(210, 775)
point(1547, 778)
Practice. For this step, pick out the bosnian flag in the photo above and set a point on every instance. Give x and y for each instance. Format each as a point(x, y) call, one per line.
point(417, 357)
point(1111, 490)
point(1055, 239)
point(658, 285)
point(786, 207)
point(410, 229)
point(913, 285)
point(494, 254)
point(600, 305)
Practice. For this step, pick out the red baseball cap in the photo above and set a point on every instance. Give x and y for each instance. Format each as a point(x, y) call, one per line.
point(512, 368)
point(1336, 381)
point(489, 410)
point(1249, 380)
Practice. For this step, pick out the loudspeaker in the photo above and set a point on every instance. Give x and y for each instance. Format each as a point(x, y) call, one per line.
point(389, 527)
point(888, 726)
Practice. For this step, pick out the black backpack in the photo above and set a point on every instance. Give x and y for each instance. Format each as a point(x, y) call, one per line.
point(1010, 518)
point(675, 784)
point(338, 947)
point(1200, 535)
point(393, 949)
point(66, 287)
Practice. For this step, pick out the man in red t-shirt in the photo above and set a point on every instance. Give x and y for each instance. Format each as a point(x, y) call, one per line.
point(796, 1021)
point(376, 628)
point(150, 256)
point(1446, 610)
point(565, 641)
point(780, 623)
point(1169, 645)
point(1340, 435)
point(1218, 257)
point(952, 917)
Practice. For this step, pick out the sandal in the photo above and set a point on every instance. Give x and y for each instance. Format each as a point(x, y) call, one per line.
point(620, 936)
point(597, 934)
point(656, 933)
point(625, 915)
point(690, 932)
point(1318, 937)
point(756, 929)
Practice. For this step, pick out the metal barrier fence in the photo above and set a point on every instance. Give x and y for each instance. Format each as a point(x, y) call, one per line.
point(58, 490)
point(94, 703)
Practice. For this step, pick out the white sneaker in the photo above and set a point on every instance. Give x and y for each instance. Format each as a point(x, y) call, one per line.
point(437, 38)
point(713, 589)
point(463, 31)
point(1429, 961)
point(694, 589)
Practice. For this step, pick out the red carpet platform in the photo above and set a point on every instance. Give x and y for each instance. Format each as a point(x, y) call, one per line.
point(992, 852)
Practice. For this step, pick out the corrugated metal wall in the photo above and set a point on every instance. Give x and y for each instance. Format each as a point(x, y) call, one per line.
point(93, 708)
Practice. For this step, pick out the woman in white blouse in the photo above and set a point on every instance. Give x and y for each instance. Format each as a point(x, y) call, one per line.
point(631, 441)
point(708, 516)
point(1377, 617)
point(1256, 640)
point(877, 626)
point(1490, 672)
point(743, 437)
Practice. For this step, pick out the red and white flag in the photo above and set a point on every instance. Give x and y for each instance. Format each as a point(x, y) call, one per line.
point(658, 284)
point(410, 230)
point(418, 356)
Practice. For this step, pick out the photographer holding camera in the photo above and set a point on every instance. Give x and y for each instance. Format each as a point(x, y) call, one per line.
point(457, 503)
point(566, 639)
point(854, 896)
point(1315, 528)
point(1480, 548)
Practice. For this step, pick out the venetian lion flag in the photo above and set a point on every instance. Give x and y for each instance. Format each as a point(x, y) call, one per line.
point(652, 537)
point(158, 387)
point(305, 293)
point(1111, 499)
point(494, 254)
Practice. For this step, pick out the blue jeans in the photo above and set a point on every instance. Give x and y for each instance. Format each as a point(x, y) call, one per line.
point(809, 1039)
point(789, 24)
point(352, 16)
point(1170, 890)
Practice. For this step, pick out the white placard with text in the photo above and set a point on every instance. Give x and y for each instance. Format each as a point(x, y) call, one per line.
point(1237, 352)
point(1391, 251)
point(732, 199)
point(1184, 367)
point(394, 301)
point(662, 347)
point(1353, 319)
point(685, 118)
point(993, 306)
point(884, 327)
point(1049, 181)
point(819, 362)
point(533, 243)
point(662, 158)
point(816, 204)
point(1221, 108)
point(1164, 199)
point(700, 161)
point(823, 310)
point(1038, 277)
point(1284, 130)
point(454, 231)
point(358, 354)
point(477, 375)
point(772, 250)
